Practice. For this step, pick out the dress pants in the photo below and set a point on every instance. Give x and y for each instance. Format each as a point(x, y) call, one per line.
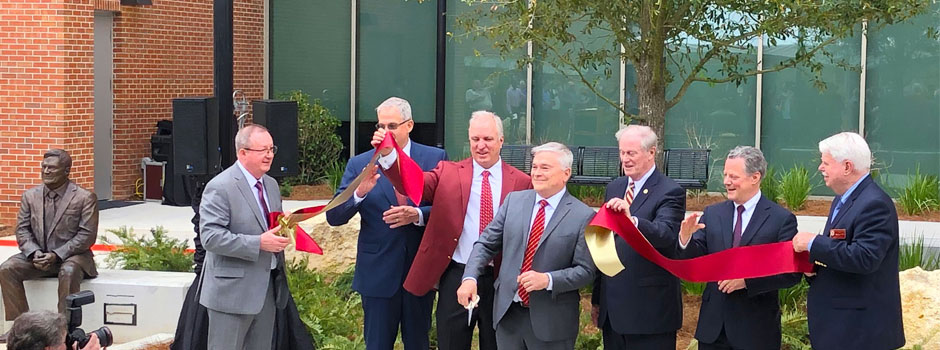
point(18, 269)
point(382, 317)
point(453, 333)
point(244, 332)
point(514, 332)
point(617, 341)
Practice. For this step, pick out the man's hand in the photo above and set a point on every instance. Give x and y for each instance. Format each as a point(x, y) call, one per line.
point(273, 243)
point(368, 183)
point(801, 241)
point(377, 138)
point(618, 205)
point(728, 286)
point(399, 216)
point(533, 281)
point(43, 261)
point(93, 343)
point(468, 288)
point(689, 226)
point(595, 314)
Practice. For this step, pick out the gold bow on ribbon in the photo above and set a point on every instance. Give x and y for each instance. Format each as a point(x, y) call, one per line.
point(601, 245)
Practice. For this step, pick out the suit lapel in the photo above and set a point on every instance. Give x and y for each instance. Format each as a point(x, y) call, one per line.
point(62, 205)
point(242, 184)
point(509, 182)
point(557, 216)
point(761, 213)
point(465, 176)
point(526, 217)
point(640, 196)
point(726, 217)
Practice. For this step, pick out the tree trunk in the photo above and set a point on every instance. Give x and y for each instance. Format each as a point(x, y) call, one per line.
point(651, 88)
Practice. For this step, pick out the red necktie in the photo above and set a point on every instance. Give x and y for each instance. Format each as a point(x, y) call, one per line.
point(264, 205)
point(538, 226)
point(629, 196)
point(486, 202)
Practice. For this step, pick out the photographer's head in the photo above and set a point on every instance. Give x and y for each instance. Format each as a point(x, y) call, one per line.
point(37, 330)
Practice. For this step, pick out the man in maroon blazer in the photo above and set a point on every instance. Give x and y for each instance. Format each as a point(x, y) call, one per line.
point(465, 196)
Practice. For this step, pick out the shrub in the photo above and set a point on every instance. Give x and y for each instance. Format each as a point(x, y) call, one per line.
point(794, 328)
point(794, 296)
point(334, 175)
point(158, 253)
point(592, 195)
point(922, 194)
point(317, 142)
point(286, 188)
point(770, 185)
point(693, 288)
point(912, 254)
point(795, 187)
point(328, 306)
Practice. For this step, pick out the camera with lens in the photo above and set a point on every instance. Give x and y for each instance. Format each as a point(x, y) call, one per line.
point(73, 305)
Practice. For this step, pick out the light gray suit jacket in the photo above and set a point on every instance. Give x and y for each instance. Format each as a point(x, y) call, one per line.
point(562, 252)
point(236, 271)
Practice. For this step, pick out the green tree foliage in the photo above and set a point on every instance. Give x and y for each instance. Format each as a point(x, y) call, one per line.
point(669, 42)
point(318, 144)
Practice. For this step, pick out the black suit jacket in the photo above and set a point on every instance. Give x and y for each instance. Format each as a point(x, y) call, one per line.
point(645, 298)
point(750, 316)
point(854, 302)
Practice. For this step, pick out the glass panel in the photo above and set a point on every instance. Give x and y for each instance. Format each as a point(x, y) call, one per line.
point(310, 44)
point(796, 115)
point(902, 106)
point(478, 79)
point(566, 110)
point(397, 55)
point(717, 117)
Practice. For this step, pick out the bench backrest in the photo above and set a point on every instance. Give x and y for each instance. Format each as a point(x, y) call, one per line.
point(519, 156)
point(687, 166)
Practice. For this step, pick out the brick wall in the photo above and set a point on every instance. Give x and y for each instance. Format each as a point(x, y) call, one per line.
point(161, 52)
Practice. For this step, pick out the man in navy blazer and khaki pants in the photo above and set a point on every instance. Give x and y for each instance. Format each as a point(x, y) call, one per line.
point(854, 299)
point(641, 307)
point(740, 313)
point(391, 230)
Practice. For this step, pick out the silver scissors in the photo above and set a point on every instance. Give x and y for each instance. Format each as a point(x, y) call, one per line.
point(473, 303)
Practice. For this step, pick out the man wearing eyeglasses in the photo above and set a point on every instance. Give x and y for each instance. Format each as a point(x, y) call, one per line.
point(243, 281)
point(391, 230)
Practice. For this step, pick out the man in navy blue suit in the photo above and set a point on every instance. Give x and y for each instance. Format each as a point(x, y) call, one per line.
point(740, 313)
point(391, 230)
point(641, 307)
point(854, 299)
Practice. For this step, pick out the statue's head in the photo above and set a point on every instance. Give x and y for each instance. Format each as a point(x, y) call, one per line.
point(56, 166)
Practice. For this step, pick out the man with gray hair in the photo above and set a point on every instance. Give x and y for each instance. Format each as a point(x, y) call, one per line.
point(391, 229)
point(740, 313)
point(44, 330)
point(641, 307)
point(854, 299)
point(540, 233)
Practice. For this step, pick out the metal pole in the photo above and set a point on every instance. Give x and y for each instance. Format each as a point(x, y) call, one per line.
point(439, 85)
point(223, 54)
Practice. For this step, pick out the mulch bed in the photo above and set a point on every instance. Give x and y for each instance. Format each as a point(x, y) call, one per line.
point(310, 192)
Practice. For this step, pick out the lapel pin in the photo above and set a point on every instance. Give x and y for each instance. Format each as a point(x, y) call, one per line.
point(646, 190)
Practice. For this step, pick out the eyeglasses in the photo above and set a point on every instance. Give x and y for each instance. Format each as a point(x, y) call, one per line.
point(390, 126)
point(272, 150)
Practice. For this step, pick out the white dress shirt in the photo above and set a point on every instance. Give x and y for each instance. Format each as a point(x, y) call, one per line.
point(471, 222)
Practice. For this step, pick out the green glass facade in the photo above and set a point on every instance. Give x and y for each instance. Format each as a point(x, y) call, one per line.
point(395, 42)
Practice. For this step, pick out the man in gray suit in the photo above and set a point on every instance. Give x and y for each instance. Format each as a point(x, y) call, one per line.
point(243, 277)
point(537, 301)
point(55, 228)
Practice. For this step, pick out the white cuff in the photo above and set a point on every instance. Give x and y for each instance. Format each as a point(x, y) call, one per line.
point(681, 245)
point(357, 199)
point(550, 281)
point(389, 160)
point(420, 217)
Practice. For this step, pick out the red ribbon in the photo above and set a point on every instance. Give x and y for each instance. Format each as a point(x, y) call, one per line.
point(742, 262)
point(412, 177)
point(302, 241)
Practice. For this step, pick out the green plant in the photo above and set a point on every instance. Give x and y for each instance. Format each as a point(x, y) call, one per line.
point(334, 174)
point(913, 253)
point(317, 142)
point(328, 306)
point(922, 194)
point(693, 288)
point(794, 329)
point(795, 187)
point(157, 253)
point(794, 296)
point(286, 188)
point(770, 185)
point(589, 194)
